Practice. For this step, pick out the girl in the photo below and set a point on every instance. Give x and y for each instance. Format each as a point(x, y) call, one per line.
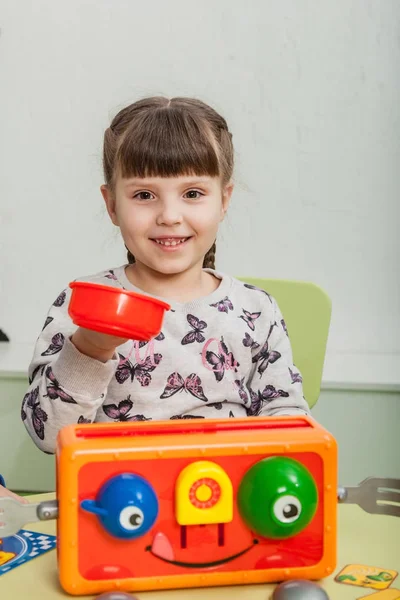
point(223, 350)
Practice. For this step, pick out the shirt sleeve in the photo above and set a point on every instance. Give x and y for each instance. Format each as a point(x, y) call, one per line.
point(65, 386)
point(276, 384)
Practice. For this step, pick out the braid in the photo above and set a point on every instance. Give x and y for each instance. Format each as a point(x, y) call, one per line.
point(130, 257)
point(209, 259)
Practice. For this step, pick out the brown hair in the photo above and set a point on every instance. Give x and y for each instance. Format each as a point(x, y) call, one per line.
point(157, 137)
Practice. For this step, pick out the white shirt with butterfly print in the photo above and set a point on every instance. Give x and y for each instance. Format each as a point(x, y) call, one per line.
point(224, 355)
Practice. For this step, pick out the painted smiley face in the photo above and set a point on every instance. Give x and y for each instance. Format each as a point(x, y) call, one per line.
point(162, 549)
point(276, 499)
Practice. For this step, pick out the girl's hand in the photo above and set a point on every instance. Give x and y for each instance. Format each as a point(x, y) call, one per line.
point(5, 493)
point(96, 345)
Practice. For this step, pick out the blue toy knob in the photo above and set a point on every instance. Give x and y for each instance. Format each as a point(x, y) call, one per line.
point(126, 506)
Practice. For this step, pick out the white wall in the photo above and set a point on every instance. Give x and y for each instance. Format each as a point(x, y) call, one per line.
point(311, 91)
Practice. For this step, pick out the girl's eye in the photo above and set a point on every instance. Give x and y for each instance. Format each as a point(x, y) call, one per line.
point(144, 195)
point(193, 194)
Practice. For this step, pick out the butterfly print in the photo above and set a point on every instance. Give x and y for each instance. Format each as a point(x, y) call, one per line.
point(241, 388)
point(57, 342)
point(265, 356)
point(256, 404)
point(47, 322)
point(35, 372)
point(270, 393)
point(59, 301)
point(216, 405)
point(175, 417)
point(121, 412)
point(82, 420)
point(295, 376)
point(196, 335)
point(223, 305)
point(39, 417)
point(30, 395)
point(253, 287)
point(192, 384)
point(159, 338)
point(249, 342)
point(111, 275)
point(221, 361)
point(284, 327)
point(258, 399)
point(54, 390)
point(140, 372)
point(250, 318)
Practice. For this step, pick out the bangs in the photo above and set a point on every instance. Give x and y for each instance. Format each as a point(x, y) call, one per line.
point(168, 142)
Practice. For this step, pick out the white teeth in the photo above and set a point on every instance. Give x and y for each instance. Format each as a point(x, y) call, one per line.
point(171, 242)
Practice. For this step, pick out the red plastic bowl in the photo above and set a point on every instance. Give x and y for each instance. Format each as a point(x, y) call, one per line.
point(116, 312)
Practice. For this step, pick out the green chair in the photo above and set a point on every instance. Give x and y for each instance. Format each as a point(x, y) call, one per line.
point(306, 309)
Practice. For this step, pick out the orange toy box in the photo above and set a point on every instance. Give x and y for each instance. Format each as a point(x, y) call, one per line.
point(195, 503)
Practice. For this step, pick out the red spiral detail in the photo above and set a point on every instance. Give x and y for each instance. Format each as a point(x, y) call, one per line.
point(215, 493)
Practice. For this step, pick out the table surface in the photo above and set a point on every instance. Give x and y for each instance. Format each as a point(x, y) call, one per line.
point(364, 539)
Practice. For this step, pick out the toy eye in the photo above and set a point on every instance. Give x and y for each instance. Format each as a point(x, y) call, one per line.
point(287, 509)
point(131, 518)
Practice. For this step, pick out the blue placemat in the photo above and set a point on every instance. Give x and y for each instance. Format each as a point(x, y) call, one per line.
point(22, 547)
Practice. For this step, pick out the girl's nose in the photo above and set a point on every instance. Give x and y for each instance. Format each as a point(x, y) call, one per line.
point(170, 214)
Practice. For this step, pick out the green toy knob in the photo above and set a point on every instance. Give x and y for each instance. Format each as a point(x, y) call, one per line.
point(277, 497)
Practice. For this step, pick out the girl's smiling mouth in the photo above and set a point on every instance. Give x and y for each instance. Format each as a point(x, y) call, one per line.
point(170, 243)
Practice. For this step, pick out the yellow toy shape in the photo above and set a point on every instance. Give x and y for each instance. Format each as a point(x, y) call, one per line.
point(5, 557)
point(203, 495)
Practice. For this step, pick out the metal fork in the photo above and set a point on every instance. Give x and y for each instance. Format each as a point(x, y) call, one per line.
point(375, 495)
point(14, 515)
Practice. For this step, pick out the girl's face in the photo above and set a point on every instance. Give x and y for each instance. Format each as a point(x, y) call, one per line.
point(168, 223)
